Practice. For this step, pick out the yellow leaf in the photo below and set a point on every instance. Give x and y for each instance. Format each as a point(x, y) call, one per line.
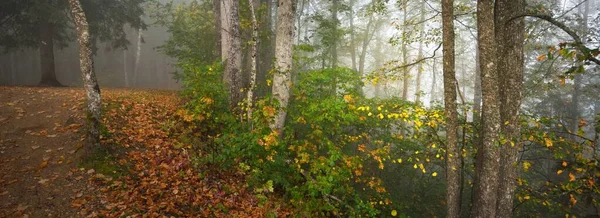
point(527, 197)
point(415, 166)
point(348, 98)
point(559, 172)
point(548, 142)
point(571, 177)
point(526, 165)
point(434, 174)
point(399, 160)
point(394, 213)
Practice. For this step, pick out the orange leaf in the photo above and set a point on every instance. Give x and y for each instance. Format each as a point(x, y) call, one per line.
point(571, 177)
point(541, 58)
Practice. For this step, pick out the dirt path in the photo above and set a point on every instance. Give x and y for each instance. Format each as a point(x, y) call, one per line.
point(39, 137)
point(142, 169)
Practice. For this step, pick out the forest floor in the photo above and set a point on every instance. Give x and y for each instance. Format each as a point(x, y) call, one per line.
point(141, 169)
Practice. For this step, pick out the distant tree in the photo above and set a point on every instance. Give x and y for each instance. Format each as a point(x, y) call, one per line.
point(87, 71)
point(45, 25)
point(283, 51)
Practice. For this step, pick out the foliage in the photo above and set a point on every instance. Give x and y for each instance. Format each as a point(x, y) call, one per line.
point(336, 142)
point(21, 20)
point(186, 23)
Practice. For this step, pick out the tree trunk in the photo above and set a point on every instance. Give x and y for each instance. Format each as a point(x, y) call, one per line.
point(367, 37)
point(488, 157)
point(217, 16)
point(453, 154)
point(250, 93)
point(405, 70)
point(510, 38)
point(125, 72)
point(420, 54)
point(477, 91)
point(47, 54)
point(433, 82)
point(231, 50)
point(138, 55)
point(283, 50)
point(87, 71)
point(352, 42)
point(13, 68)
point(334, 19)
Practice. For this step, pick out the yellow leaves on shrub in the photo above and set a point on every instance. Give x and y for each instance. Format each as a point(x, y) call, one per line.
point(269, 111)
point(548, 142)
point(269, 140)
point(348, 99)
point(526, 165)
point(394, 213)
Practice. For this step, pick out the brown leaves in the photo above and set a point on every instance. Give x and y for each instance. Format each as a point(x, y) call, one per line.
point(161, 180)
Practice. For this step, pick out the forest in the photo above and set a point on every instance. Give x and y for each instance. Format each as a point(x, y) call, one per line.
point(300, 108)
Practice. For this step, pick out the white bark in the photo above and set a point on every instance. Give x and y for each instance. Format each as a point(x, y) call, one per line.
point(87, 72)
point(125, 68)
point(250, 93)
point(283, 65)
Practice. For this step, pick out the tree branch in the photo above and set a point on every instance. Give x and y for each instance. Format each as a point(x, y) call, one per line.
point(577, 44)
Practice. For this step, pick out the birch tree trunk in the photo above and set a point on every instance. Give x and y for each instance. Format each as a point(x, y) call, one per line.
point(250, 93)
point(453, 154)
point(87, 71)
point(488, 157)
point(510, 36)
point(283, 51)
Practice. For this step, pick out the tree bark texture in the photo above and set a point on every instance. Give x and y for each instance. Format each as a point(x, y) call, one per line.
point(510, 38)
point(484, 204)
point(217, 16)
point(87, 71)
point(283, 51)
point(231, 50)
point(138, 55)
point(453, 156)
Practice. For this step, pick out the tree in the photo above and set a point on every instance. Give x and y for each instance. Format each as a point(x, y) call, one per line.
point(44, 25)
point(254, 50)
point(87, 71)
point(283, 64)
point(453, 165)
point(488, 156)
point(510, 37)
point(231, 52)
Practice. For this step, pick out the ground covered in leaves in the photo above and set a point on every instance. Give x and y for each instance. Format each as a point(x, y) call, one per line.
point(142, 169)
